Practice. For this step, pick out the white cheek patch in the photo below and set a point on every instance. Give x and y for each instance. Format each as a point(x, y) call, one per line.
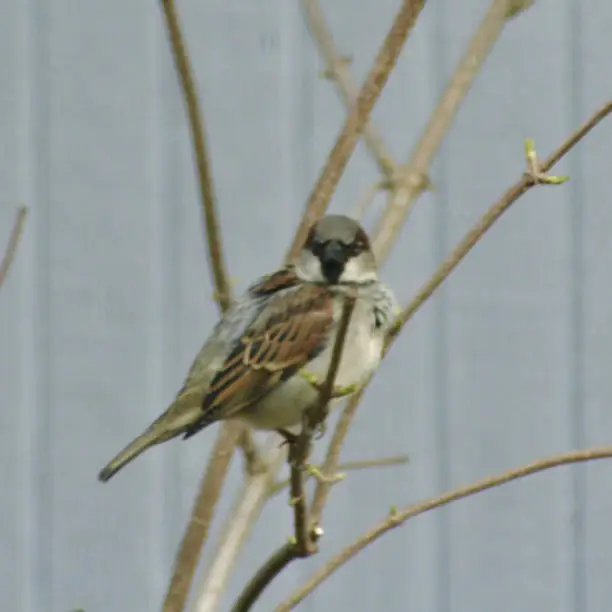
point(308, 268)
point(356, 271)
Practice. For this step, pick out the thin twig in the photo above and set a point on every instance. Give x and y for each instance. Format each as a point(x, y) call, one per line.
point(333, 455)
point(355, 121)
point(345, 85)
point(216, 259)
point(264, 576)
point(398, 518)
point(411, 179)
point(13, 243)
point(349, 466)
point(237, 529)
point(489, 218)
point(254, 462)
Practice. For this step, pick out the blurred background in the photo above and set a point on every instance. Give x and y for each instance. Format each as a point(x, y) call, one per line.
point(110, 298)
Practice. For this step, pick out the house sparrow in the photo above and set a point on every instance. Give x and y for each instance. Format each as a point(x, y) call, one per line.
point(253, 365)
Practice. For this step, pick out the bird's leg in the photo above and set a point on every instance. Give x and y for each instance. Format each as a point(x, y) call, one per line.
point(288, 437)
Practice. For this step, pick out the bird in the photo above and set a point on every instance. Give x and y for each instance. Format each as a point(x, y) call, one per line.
point(261, 358)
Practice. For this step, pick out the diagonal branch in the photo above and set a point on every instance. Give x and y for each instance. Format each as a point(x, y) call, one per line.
point(534, 176)
point(13, 243)
point(492, 215)
point(412, 179)
point(410, 182)
point(339, 156)
point(439, 276)
point(345, 85)
point(395, 519)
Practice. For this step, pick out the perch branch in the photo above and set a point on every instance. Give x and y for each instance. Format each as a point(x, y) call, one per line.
point(304, 542)
point(396, 518)
point(355, 121)
point(412, 179)
point(13, 243)
point(305, 535)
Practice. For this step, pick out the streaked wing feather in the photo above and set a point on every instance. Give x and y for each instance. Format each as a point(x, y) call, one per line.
point(289, 332)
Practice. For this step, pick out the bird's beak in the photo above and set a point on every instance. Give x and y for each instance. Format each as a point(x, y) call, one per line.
point(333, 259)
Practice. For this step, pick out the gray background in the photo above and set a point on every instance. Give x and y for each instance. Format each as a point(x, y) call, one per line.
point(110, 298)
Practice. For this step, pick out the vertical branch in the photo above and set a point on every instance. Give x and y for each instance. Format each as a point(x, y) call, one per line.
point(201, 518)
point(210, 488)
point(339, 156)
point(194, 113)
point(13, 243)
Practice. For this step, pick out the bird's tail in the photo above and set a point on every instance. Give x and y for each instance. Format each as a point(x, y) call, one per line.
point(130, 452)
point(172, 423)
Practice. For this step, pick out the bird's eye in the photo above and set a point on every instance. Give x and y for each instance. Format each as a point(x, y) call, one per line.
point(316, 245)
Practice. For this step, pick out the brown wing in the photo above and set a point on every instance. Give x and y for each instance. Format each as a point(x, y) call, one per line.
point(289, 332)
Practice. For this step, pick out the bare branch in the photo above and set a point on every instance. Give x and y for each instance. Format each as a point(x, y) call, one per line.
point(349, 466)
point(304, 542)
point(398, 518)
point(300, 451)
point(345, 85)
point(237, 529)
point(264, 576)
point(254, 462)
point(201, 518)
point(13, 243)
point(355, 121)
point(183, 66)
point(411, 180)
point(492, 215)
